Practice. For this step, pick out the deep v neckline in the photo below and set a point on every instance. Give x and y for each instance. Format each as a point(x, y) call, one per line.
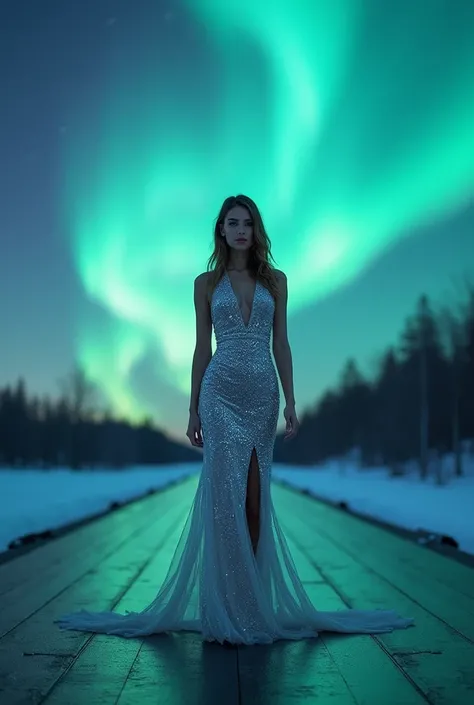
point(237, 301)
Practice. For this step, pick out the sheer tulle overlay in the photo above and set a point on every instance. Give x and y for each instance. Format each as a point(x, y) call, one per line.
point(215, 584)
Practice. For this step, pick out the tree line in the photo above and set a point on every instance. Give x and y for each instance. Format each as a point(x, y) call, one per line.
point(70, 431)
point(418, 404)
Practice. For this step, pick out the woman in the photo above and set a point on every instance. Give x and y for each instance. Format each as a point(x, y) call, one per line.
point(232, 577)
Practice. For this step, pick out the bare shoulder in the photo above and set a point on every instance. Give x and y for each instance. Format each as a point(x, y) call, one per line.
point(202, 278)
point(201, 281)
point(280, 275)
point(281, 279)
point(201, 288)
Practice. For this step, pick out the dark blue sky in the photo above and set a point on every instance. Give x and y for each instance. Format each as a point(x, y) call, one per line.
point(57, 64)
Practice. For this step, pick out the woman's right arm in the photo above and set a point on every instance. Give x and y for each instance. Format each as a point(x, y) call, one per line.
point(203, 349)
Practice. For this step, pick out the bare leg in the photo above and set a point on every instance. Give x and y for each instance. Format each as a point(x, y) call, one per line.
point(252, 508)
point(252, 504)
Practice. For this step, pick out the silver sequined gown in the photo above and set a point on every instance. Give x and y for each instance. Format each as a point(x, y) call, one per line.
point(215, 585)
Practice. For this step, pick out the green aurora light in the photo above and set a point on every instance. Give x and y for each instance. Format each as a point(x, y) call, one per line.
point(349, 123)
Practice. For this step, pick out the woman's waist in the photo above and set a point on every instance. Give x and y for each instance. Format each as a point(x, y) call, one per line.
point(238, 356)
point(233, 376)
point(235, 361)
point(258, 342)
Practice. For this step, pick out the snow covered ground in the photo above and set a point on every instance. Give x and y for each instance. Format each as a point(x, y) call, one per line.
point(35, 500)
point(404, 501)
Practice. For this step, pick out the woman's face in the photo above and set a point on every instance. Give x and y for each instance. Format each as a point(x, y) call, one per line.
point(238, 228)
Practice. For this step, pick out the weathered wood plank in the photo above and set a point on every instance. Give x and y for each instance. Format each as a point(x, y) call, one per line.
point(368, 673)
point(42, 585)
point(291, 672)
point(433, 655)
point(355, 530)
point(25, 679)
point(47, 557)
point(110, 672)
point(380, 550)
point(103, 534)
point(182, 669)
point(120, 561)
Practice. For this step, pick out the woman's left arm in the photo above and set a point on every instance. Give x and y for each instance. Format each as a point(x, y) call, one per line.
point(282, 355)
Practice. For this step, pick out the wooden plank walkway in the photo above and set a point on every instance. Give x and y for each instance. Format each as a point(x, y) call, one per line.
point(119, 560)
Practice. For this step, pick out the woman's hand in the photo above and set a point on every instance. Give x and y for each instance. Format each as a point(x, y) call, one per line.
point(292, 423)
point(194, 430)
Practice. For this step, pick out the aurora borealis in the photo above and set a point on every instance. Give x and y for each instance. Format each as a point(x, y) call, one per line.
point(350, 124)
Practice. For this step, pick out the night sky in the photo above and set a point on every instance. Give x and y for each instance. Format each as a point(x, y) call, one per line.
point(125, 124)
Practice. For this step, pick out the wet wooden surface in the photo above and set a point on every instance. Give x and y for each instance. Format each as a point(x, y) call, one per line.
point(119, 561)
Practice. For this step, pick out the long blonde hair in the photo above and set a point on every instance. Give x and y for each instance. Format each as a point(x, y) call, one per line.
point(260, 251)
